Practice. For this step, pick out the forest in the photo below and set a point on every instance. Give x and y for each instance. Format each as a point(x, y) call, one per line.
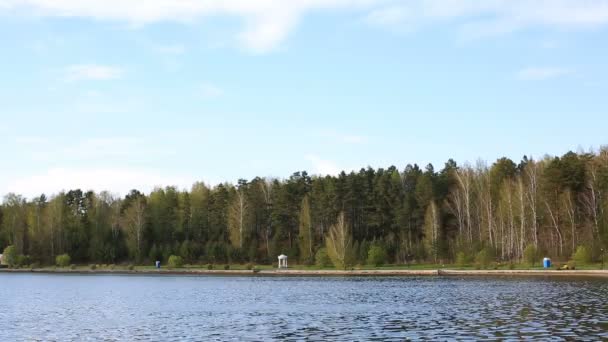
point(413, 215)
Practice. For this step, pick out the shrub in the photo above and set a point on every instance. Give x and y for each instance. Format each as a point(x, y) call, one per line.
point(226, 267)
point(130, 267)
point(72, 266)
point(582, 256)
point(209, 266)
point(63, 260)
point(376, 256)
point(9, 256)
point(93, 266)
point(175, 261)
point(22, 260)
point(531, 255)
point(483, 258)
point(322, 260)
point(111, 266)
point(461, 259)
point(35, 265)
point(249, 266)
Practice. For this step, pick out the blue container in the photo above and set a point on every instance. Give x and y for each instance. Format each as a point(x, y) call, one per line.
point(157, 264)
point(547, 263)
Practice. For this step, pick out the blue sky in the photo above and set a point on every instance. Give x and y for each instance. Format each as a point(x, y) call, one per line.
point(111, 95)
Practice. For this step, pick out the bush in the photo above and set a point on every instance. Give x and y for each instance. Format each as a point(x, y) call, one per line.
point(35, 265)
point(376, 256)
point(531, 255)
point(462, 259)
point(483, 258)
point(63, 260)
point(226, 267)
point(22, 260)
point(9, 256)
point(322, 260)
point(93, 267)
point(111, 266)
point(175, 261)
point(72, 266)
point(209, 266)
point(249, 266)
point(130, 267)
point(582, 256)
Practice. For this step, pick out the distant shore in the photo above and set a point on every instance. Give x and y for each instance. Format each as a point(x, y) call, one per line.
point(322, 273)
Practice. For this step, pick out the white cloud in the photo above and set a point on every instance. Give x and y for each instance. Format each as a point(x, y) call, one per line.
point(31, 140)
point(210, 91)
point(541, 73)
point(267, 23)
point(115, 180)
point(83, 72)
point(321, 166)
point(490, 17)
point(391, 15)
point(107, 150)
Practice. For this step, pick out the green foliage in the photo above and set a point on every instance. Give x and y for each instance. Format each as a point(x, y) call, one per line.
point(462, 259)
point(226, 267)
point(23, 260)
point(414, 214)
point(92, 267)
point(63, 260)
point(531, 255)
point(9, 256)
point(582, 256)
point(72, 267)
point(339, 244)
point(376, 256)
point(175, 261)
point(305, 237)
point(209, 266)
point(131, 267)
point(322, 260)
point(483, 258)
point(249, 266)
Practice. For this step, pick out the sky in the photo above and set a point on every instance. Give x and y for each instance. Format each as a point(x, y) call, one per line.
point(121, 94)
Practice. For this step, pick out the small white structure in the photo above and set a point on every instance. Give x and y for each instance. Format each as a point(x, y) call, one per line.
point(282, 261)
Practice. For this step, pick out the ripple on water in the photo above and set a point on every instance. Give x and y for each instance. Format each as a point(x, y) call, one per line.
point(60, 308)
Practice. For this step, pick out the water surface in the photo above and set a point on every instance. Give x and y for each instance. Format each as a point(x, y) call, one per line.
point(176, 308)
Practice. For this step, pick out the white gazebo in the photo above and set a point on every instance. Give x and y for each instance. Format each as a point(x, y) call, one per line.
point(282, 261)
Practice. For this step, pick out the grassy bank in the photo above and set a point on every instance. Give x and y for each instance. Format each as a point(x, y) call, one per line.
point(303, 270)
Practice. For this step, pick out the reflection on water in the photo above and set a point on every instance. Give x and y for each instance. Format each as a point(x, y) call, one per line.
point(77, 307)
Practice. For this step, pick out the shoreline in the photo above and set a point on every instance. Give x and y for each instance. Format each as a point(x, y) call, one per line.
point(322, 273)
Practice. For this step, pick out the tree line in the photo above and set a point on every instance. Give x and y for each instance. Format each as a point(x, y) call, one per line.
point(554, 204)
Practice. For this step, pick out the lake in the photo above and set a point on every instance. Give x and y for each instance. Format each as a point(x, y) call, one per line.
point(176, 308)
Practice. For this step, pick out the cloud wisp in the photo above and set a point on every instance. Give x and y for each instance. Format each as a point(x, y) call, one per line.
point(113, 179)
point(541, 73)
point(92, 72)
point(267, 23)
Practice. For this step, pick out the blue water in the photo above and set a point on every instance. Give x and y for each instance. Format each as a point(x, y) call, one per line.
point(173, 308)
